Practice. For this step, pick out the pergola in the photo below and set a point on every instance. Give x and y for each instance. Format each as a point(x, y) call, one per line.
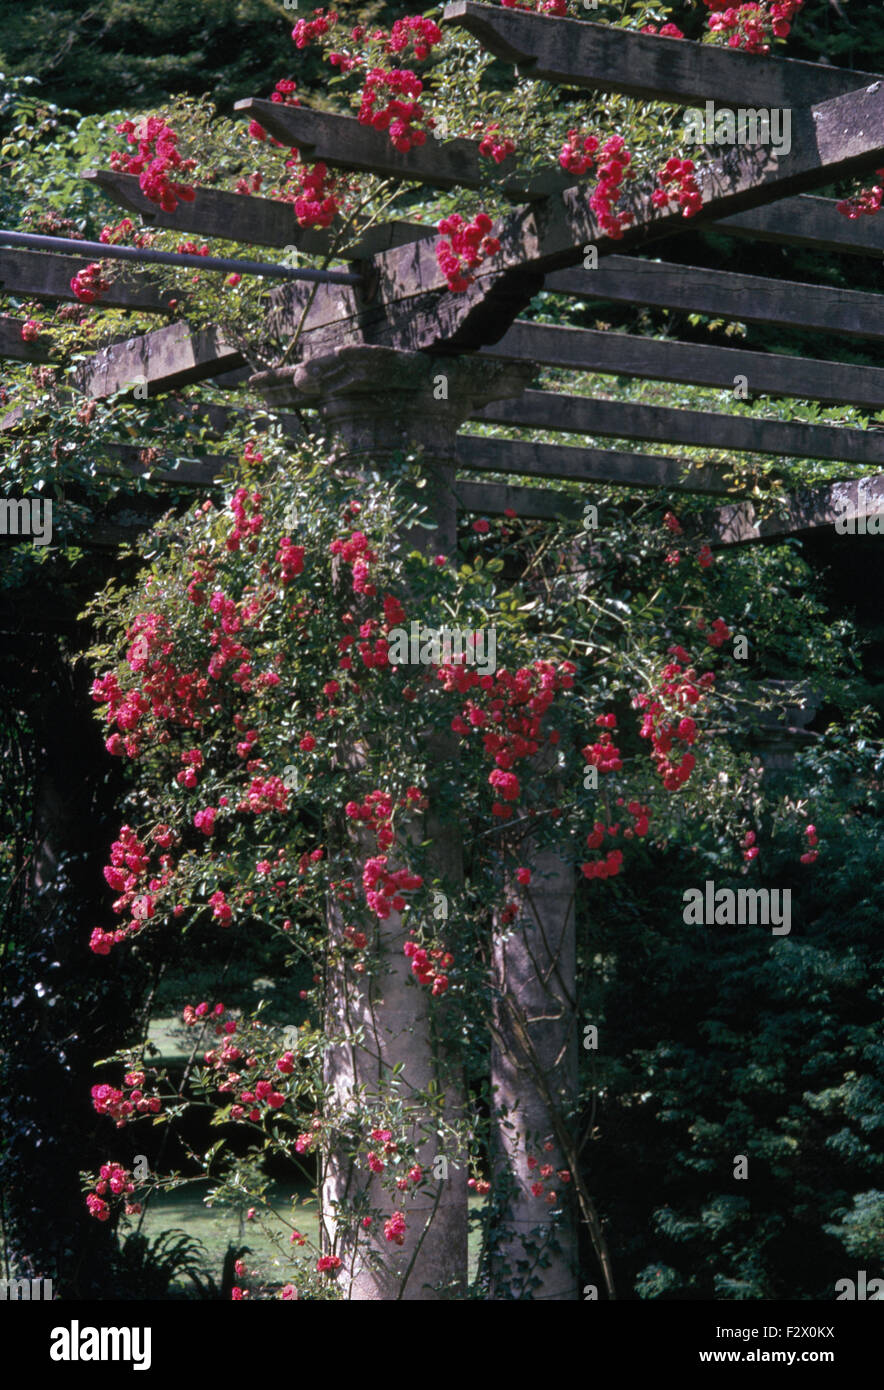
point(370, 349)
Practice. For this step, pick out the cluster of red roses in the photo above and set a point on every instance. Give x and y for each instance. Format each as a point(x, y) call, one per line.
point(89, 283)
point(399, 89)
point(384, 888)
point(546, 1171)
point(610, 865)
point(718, 634)
point(677, 182)
point(157, 155)
point(306, 30)
point(462, 247)
point(811, 853)
point(124, 230)
point(390, 97)
point(357, 553)
point(168, 693)
point(109, 1100)
point(376, 812)
point(751, 26)
point(245, 527)
point(559, 8)
point(510, 707)
point(493, 144)
point(316, 205)
point(606, 192)
point(577, 155)
point(428, 964)
point(394, 1228)
point(680, 687)
point(865, 203)
point(126, 871)
point(667, 31)
point(423, 34)
point(116, 1179)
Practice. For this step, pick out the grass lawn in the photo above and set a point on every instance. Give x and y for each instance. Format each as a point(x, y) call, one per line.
point(216, 1227)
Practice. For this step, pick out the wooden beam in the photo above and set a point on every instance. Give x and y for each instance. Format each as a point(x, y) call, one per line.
point(168, 358)
point(547, 410)
point(723, 294)
point(177, 470)
point(803, 221)
point(13, 346)
point(408, 304)
point(343, 143)
point(45, 275)
point(809, 221)
point(535, 503)
point(586, 465)
point(621, 354)
point(603, 58)
point(239, 217)
point(807, 510)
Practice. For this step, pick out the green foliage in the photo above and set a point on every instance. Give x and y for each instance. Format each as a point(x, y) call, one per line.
point(149, 1267)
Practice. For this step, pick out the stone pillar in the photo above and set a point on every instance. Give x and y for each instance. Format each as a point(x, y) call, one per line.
point(534, 1054)
point(375, 402)
point(534, 1085)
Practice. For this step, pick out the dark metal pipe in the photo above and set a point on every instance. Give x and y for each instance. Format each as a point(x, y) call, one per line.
point(97, 249)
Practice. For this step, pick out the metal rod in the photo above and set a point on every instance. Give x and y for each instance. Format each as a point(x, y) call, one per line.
point(136, 253)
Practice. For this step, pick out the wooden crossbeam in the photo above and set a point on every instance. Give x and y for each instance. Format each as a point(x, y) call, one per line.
point(547, 410)
point(239, 217)
point(408, 304)
point(533, 503)
point(586, 465)
point(809, 221)
point(413, 309)
point(343, 143)
point(165, 359)
point(45, 275)
point(186, 472)
point(603, 58)
point(622, 354)
point(809, 509)
point(13, 345)
point(723, 294)
point(801, 221)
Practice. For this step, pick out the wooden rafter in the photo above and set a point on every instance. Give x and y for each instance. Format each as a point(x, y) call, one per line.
point(586, 465)
point(724, 294)
point(704, 429)
point(809, 221)
point(13, 345)
point(603, 58)
point(410, 307)
point(45, 275)
point(809, 509)
point(623, 354)
point(251, 219)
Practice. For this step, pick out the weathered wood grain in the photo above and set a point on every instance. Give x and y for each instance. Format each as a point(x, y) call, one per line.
point(607, 59)
point(550, 410)
point(623, 354)
point(724, 294)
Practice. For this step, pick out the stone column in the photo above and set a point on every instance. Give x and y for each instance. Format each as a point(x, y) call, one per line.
point(534, 1086)
point(375, 402)
point(534, 1055)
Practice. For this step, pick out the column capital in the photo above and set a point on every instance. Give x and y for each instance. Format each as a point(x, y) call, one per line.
point(377, 399)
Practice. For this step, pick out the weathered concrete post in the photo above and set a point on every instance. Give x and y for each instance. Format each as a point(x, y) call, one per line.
point(375, 402)
point(534, 1052)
